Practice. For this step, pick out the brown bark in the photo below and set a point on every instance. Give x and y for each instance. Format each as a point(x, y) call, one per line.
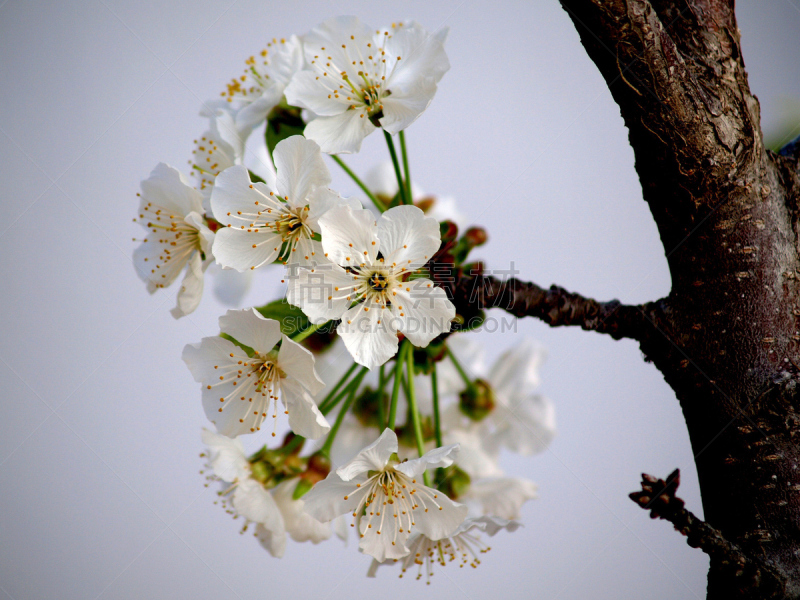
point(726, 337)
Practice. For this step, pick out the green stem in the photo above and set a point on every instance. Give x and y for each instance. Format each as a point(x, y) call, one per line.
point(398, 377)
point(381, 383)
point(405, 166)
point(460, 369)
point(338, 386)
point(299, 337)
point(326, 448)
point(296, 441)
point(412, 402)
point(379, 205)
point(400, 185)
point(437, 426)
point(354, 383)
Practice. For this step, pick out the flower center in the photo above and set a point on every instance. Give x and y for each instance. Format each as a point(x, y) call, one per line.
point(378, 281)
point(360, 80)
point(464, 548)
point(392, 492)
point(177, 240)
point(290, 225)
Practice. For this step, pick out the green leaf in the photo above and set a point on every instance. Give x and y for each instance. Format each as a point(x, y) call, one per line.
point(284, 121)
point(248, 350)
point(255, 178)
point(291, 318)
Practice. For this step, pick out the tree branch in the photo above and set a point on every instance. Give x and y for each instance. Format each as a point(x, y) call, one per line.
point(752, 577)
point(555, 306)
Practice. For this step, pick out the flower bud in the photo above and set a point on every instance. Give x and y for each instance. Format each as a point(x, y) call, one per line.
point(477, 401)
point(319, 463)
point(453, 481)
point(425, 204)
point(318, 468)
point(261, 471)
point(366, 407)
point(476, 236)
point(448, 231)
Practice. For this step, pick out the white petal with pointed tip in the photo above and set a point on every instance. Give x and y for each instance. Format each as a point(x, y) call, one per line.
point(248, 327)
point(374, 457)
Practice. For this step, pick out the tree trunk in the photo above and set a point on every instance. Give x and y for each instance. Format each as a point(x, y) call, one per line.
point(727, 337)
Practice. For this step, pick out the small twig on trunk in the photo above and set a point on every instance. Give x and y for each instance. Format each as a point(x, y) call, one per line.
point(749, 573)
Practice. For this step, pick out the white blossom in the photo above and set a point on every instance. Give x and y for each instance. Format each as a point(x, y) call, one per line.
point(501, 496)
point(357, 79)
point(238, 389)
point(520, 419)
point(366, 282)
point(387, 498)
point(463, 546)
point(248, 497)
point(524, 421)
point(274, 511)
point(261, 87)
point(262, 222)
point(212, 154)
point(177, 236)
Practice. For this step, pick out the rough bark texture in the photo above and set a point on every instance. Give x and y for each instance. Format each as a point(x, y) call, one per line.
point(726, 338)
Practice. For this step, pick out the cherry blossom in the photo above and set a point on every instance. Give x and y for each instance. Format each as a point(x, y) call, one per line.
point(238, 389)
point(263, 222)
point(177, 236)
point(386, 498)
point(462, 546)
point(261, 87)
point(357, 79)
point(367, 283)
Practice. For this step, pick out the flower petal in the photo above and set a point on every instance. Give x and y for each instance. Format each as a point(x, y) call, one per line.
point(501, 496)
point(372, 458)
point(301, 526)
point(487, 524)
point(245, 251)
point(300, 169)
point(527, 427)
point(342, 133)
point(191, 288)
point(422, 311)
point(326, 500)
point(226, 456)
point(272, 542)
point(169, 189)
point(423, 57)
point(438, 457)
point(320, 292)
point(369, 334)
point(306, 90)
point(298, 363)
point(515, 374)
point(388, 544)
point(349, 237)
point(408, 239)
point(202, 358)
point(248, 327)
point(401, 109)
point(305, 417)
point(442, 516)
point(322, 200)
point(256, 504)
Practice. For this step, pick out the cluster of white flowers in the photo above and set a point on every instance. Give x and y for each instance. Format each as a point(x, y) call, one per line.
point(418, 489)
